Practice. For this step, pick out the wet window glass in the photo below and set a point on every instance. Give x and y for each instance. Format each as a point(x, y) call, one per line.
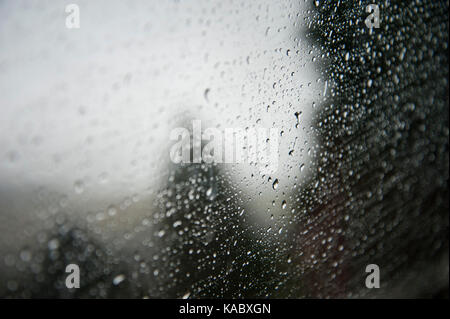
point(224, 149)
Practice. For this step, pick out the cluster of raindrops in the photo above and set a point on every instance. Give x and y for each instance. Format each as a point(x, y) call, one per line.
point(361, 120)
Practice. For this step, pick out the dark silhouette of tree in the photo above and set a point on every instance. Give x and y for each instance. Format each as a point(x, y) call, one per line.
point(383, 156)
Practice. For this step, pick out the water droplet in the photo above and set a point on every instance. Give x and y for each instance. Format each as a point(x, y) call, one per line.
point(53, 244)
point(275, 184)
point(78, 186)
point(25, 255)
point(161, 233)
point(206, 94)
point(118, 279)
point(186, 295)
point(177, 223)
point(112, 210)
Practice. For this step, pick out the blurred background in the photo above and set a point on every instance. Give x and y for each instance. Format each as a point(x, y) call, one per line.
point(86, 177)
